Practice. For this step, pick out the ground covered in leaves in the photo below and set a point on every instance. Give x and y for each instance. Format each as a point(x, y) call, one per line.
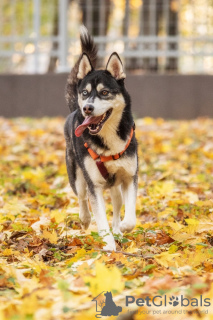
point(52, 269)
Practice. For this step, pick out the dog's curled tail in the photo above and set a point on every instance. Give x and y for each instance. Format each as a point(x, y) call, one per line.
point(87, 46)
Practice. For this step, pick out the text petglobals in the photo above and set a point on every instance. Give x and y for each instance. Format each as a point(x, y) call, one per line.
point(159, 301)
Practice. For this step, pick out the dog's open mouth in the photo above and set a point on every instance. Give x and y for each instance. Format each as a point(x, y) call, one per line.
point(94, 124)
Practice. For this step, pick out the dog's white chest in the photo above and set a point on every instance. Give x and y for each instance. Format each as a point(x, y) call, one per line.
point(123, 168)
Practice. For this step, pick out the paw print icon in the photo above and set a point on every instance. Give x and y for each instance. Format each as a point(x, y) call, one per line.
point(174, 301)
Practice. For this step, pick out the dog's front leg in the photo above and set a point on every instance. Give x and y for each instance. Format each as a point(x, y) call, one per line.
point(117, 204)
point(99, 211)
point(130, 194)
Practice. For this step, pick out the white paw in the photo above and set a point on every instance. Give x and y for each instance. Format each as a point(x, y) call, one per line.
point(127, 225)
point(116, 230)
point(110, 242)
point(85, 220)
point(116, 226)
point(110, 247)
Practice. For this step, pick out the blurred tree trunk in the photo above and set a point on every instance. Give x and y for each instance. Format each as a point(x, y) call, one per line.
point(93, 11)
point(95, 16)
point(172, 63)
point(53, 60)
point(129, 62)
point(149, 14)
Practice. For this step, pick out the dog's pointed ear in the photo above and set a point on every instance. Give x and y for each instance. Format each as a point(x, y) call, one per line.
point(85, 66)
point(115, 67)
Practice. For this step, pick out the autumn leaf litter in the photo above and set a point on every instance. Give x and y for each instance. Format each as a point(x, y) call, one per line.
point(50, 268)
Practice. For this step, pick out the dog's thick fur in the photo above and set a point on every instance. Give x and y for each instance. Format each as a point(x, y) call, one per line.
point(102, 90)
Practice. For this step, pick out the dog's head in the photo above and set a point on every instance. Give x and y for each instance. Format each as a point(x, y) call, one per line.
point(100, 93)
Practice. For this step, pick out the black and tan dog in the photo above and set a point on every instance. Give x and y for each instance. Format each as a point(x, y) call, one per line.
point(101, 148)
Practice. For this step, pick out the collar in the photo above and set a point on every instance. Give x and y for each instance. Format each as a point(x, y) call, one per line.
point(116, 156)
point(100, 164)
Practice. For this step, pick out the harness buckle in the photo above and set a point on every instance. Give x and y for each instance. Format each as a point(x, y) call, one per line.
point(116, 156)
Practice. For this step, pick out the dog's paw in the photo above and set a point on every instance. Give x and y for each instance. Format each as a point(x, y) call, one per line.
point(116, 227)
point(110, 242)
point(85, 220)
point(127, 225)
point(110, 247)
point(116, 230)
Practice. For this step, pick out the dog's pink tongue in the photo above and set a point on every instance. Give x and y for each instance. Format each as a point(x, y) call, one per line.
point(89, 120)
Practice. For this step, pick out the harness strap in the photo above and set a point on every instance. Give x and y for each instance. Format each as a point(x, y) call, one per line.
point(100, 164)
point(103, 170)
point(116, 156)
point(93, 154)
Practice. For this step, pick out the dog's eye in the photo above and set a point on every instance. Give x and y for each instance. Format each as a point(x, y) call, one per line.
point(105, 93)
point(85, 92)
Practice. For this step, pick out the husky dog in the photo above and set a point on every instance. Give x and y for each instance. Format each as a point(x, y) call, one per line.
point(101, 148)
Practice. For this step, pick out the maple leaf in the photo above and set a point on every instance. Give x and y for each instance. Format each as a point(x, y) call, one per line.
point(51, 236)
point(105, 279)
point(167, 259)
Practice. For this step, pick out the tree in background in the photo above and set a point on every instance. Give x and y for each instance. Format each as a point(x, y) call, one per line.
point(156, 19)
point(95, 16)
point(172, 63)
point(55, 32)
point(22, 43)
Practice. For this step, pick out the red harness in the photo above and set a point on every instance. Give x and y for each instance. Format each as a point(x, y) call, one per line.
point(100, 163)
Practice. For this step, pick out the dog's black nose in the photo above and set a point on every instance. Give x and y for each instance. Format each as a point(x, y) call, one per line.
point(88, 108)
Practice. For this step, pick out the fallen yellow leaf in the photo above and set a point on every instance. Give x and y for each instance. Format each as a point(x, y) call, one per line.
point(106, 279)
point(52, 237)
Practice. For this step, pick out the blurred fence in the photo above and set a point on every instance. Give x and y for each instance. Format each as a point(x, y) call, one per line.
point(38, 36)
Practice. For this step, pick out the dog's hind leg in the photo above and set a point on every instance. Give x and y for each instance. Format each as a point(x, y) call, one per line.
point(81, 189)
point(99, 211)
point(130, 194)
point(117, 204)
